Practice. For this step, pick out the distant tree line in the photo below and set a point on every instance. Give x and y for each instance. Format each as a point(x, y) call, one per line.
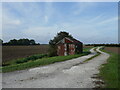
point(19, 42)
point(108, 45)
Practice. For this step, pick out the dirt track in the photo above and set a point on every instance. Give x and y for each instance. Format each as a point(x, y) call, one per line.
point(68, 74)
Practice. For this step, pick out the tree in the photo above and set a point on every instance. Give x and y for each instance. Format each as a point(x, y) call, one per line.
point(32, 42)
point(13, 42)
point(57, 38)
point(1, 41)
point(21, 42)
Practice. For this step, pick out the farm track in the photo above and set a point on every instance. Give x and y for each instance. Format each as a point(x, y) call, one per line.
point(68, 74)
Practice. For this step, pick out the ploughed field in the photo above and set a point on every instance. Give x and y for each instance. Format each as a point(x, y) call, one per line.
point(15, 52)
point(113, 49)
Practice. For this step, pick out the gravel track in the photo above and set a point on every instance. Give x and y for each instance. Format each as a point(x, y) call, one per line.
point(68, 74)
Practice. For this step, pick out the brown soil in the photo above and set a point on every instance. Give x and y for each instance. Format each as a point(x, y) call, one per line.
point(14, 52)
point(113, 49)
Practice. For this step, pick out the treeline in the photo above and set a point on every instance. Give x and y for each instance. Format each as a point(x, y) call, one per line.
point(19, 42)
point(108, 45)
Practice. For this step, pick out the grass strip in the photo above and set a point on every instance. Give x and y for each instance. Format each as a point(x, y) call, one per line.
point(26, 59)
point(98, 53)
point(109, 71)
point(41, 62)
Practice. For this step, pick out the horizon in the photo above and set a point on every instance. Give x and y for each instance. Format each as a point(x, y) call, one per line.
point(88, 22)
point(48, 43)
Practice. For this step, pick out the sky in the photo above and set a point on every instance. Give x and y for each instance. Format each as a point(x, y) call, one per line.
point(89, 22)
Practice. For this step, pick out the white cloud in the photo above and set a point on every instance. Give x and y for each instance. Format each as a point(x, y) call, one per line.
point(34, 21)
point(49, 11)
point(0, 20)
point(12, 22)
point(81, 7)
point(9, 22)
point(42, 34)
point(96, 18)
point(46, 19)
point(60, 1)
point(107, 21)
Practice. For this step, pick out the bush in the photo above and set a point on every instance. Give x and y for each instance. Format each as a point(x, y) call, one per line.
point(52, 51)
point(31, 58)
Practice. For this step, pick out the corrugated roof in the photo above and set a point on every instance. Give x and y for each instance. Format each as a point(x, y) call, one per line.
point(71, 39)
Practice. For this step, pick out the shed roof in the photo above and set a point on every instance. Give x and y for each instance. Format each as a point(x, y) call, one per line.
point(72, 40)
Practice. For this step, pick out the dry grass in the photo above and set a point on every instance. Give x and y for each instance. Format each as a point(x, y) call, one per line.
point(15, 52)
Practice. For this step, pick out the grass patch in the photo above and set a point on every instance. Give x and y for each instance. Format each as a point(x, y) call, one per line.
point(41, 62)
point(98, 53)
point(23, 60)
point(109, 71)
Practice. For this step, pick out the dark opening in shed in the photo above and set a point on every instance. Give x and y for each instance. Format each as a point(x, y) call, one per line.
point(68, 46)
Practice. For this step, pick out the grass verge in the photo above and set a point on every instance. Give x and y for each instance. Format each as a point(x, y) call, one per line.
point(41, 62)
point(26, 59)
point(109, 71)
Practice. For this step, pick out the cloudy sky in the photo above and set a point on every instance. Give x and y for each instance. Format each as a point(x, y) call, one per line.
point(89, 22)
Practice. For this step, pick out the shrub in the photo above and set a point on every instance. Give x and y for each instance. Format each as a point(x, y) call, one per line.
point(34, 57)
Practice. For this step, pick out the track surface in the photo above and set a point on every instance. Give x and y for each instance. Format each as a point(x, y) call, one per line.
point(68, 74)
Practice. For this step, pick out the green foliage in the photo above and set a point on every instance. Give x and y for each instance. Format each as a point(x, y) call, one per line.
point(27, 59)
point(57, 38)
point(42, 61)
point(109, 71)
point(1, 41)
point(38, 62)
point(52, 51)
point(21, 42)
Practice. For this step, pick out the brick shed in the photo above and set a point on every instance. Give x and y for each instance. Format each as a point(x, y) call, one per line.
point(68, 46)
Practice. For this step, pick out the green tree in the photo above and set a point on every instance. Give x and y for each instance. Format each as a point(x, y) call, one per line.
point(32, 42)
point(13, 42)
point(1, 41)
point(57, 38)
point(21, 42)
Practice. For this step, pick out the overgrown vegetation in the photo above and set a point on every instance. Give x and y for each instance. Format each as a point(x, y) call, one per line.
point(23, 60)
point(56, 39)
point(42, 61)
point(109, 71)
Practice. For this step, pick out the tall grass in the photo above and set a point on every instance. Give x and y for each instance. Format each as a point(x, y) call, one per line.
point(109, 71)
point(26, 59)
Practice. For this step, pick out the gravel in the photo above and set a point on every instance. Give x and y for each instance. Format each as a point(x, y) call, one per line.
point(68, 74)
